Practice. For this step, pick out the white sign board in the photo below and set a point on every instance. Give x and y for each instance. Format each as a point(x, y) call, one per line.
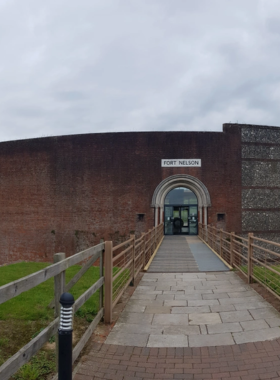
point(186, 162)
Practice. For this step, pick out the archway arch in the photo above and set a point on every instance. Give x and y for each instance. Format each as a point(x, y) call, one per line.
point(181, 180)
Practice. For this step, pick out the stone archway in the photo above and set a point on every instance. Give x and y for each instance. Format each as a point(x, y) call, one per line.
point(183, 180)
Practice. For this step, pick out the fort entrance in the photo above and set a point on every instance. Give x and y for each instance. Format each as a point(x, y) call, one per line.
point(180, 212)
point(181, 201)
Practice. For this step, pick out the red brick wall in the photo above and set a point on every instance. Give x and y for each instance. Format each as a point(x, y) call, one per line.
point(62, 194)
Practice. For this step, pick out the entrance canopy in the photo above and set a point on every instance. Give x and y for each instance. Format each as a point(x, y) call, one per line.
point(181, 180)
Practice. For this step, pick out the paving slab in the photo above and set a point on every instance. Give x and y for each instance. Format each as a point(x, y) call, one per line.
point(158, 309)
point(239, 300)
point(188, 296)
point(250, 305)
point(150, 292)
point(175, 303)
point(273, 322)
point(254, 325)
point(264, 313)
point(214, 296)
point(144, 302)
point(143, 296)
point(204, 287)
point(168, 341)
point(230, 288)
point(134, 328)
point(256, 335)
point(128, 339)
point(175, 292)
point(188, 309)
point(203, 302)
point(165, 297)
point(181, 330)
point(170, 320)
point(139, 318)
point(235, 316)
point(135, 308)
point(224, 328)
point(219, 308)
point(204, 318)
point(246, 293)
point(210, 340)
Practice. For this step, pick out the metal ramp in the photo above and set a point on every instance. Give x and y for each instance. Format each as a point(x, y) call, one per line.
point(182, 254)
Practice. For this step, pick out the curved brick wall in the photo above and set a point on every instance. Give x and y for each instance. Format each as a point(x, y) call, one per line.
point(63, 194)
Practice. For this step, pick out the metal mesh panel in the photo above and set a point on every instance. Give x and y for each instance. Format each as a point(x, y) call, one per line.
point(257, 258)
point(122, 266)
point(130, 257)
point(266, 264)
point(240, 253)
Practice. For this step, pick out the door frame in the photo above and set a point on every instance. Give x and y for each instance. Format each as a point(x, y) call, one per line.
point(181, 206)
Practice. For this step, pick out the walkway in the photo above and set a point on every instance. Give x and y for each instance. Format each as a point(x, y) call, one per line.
point(203, 325)
point(179, 254)
point(194, 310)
point(251, 361)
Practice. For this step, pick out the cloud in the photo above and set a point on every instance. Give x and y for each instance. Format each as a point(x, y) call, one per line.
point(88, 66)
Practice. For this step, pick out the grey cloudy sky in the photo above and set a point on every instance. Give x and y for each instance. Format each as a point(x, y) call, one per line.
point(85, 66)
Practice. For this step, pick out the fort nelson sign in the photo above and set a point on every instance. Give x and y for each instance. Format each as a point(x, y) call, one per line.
point(181, 162)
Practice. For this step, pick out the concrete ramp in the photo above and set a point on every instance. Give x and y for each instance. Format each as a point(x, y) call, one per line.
point(182, 254)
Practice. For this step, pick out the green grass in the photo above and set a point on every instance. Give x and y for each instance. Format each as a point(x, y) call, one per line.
point(39, 367)
point(266, 276)
point(25, 315)
point(32, 305)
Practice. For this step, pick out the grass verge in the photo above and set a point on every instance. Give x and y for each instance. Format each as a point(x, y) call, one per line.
point(267, 277)
point(24, 316)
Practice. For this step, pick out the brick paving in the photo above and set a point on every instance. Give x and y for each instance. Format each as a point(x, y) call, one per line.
point(248, 361)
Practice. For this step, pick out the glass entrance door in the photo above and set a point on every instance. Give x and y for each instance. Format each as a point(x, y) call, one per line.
point(180, 212)
point(180, 220)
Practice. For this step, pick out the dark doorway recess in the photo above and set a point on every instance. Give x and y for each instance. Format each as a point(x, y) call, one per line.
point(180, 212)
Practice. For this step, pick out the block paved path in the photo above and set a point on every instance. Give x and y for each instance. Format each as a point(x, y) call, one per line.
point(249, 361)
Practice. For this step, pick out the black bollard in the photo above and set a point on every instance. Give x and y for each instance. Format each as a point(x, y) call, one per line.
point(65, 337)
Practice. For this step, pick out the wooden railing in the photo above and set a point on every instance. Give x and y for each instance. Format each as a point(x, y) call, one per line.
point(124, 261)
point(258, 259)
point(122, 264)
point(57, 270)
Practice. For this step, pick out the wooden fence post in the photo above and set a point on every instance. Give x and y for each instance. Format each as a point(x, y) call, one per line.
point(59, 283)
point(144, 249)
point(250, 255)
point(101, 273)
point(133, 259)
point(108, 261)
point(231, 249)
point(149, 245)
point(221, 242)
point(59, 286)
